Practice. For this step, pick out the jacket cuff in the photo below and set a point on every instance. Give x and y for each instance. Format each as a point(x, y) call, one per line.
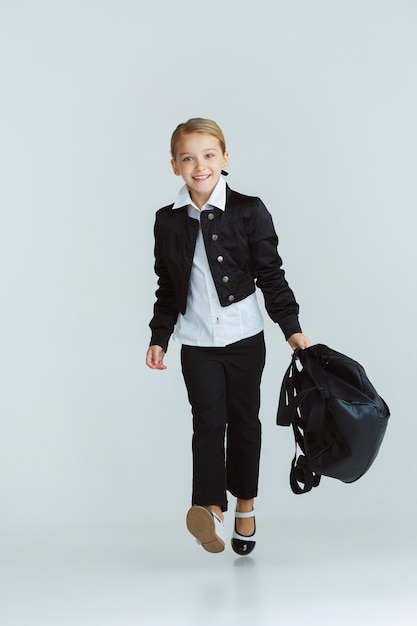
point(161, 340)
point(290, 325)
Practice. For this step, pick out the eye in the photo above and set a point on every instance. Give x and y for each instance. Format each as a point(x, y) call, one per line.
point(210, 155)
point(188, 158)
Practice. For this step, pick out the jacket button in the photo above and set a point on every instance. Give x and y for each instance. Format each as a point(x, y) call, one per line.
point(210, 216)
point(225, 279)
point(220, 259)
point(231, 298)
point(214, 237)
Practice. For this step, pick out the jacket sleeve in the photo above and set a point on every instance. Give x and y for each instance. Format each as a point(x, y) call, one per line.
point(267, 270)
point(165, 311)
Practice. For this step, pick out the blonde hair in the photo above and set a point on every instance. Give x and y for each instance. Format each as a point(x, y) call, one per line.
point(196, 125)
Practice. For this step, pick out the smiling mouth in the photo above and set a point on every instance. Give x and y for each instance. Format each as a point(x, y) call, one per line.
point(201, 179)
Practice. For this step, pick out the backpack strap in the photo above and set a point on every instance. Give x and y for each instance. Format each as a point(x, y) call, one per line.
point(302, 479)
point(300, 474)
point(287, 413)
point(289, 399)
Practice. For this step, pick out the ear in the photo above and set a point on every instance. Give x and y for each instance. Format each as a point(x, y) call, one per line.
point(175, 168)
point(226, 159)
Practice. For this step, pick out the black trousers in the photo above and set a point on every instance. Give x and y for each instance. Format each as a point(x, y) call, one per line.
point(223, 387)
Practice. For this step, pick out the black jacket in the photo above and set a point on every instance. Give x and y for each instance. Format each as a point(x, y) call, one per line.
point(241, 246)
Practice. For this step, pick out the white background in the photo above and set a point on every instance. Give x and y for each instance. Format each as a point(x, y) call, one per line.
point(318, 101)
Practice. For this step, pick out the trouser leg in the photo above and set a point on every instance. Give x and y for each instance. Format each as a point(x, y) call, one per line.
point(244, 367)
point(203, 373)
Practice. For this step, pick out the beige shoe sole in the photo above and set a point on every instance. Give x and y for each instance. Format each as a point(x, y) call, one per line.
point(202, 526)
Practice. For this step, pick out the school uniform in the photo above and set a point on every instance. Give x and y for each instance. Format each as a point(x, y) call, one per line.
point(208, 264)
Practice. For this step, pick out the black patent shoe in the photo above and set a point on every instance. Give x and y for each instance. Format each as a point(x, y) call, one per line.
point(242, 544)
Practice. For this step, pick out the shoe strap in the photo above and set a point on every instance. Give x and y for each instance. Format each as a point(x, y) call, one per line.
point(216, 517)
point(213, 514)
point(245, 515)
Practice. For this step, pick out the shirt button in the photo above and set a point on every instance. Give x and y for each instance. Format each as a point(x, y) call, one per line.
point(220, 259)
point(210, 216)
point(231, 298)
point(225, 279)
point(214, 237)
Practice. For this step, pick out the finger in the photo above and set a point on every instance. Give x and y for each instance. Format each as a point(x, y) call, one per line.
point(151, 360)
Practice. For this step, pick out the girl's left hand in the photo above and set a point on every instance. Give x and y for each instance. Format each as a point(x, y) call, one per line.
point(298, 340)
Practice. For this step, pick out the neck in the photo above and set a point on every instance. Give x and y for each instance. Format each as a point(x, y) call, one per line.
point(198, 200)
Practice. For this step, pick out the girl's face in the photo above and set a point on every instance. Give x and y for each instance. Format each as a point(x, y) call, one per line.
point(199, 161)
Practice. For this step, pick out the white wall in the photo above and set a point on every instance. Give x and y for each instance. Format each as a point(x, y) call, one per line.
point(317, 101)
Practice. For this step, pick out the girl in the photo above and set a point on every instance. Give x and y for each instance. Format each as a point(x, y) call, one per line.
point(212, 247)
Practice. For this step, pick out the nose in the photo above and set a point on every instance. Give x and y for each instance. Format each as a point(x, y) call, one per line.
point(199, 163)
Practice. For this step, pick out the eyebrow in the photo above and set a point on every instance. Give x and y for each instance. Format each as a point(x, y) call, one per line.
point(204, 150)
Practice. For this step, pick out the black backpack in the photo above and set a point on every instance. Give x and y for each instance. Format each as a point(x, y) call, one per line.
point(338, 418)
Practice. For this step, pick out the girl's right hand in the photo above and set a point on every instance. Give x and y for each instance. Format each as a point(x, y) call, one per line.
point(155, 358)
